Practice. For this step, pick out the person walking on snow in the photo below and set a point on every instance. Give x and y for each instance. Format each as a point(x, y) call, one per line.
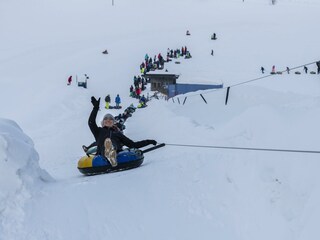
point(108, 138)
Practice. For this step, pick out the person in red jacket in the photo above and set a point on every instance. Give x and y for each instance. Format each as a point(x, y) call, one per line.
point(138, 91)
point(69, 80)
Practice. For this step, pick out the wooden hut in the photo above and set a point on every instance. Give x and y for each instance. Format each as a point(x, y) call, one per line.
point(160, 82)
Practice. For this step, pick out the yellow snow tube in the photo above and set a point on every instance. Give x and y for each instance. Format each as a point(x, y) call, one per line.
point(85, 161)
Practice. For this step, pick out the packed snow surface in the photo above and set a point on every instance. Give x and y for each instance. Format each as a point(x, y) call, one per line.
point(179, 192)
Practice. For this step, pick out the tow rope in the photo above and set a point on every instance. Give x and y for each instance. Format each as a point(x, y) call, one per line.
point(244, 148)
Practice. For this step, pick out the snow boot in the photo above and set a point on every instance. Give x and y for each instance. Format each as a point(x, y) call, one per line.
point(110, 153)
point(85, 149)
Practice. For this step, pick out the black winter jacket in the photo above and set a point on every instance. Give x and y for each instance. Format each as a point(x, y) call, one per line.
point(107, 99)
point(117, 138)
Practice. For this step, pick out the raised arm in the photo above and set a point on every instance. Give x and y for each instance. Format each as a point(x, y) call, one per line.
point(92, 118)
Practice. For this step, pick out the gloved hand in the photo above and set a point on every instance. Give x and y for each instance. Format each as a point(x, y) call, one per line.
point(154, 142)
point(95, 102)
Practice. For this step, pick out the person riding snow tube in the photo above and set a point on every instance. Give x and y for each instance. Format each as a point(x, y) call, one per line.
point(97, 164)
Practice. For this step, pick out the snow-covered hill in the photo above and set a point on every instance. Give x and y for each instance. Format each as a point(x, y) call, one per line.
point(179, 192)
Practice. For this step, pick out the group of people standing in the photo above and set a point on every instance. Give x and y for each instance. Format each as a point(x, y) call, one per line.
point(117, 100)
point(139, 84)
point(305, 69)
point(150, 64)
point(178, 53)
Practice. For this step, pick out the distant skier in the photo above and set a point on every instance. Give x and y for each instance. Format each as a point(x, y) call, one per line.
point(305, 69)
point(273, 71)
point(262, 70)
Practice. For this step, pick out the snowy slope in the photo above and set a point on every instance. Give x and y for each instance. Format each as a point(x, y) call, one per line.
point(179, 192)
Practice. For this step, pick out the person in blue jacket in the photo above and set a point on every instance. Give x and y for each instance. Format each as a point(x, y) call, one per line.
point(143, 101)
point(118, 101)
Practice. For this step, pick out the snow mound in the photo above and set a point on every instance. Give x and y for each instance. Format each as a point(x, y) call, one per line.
point(20, 174)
